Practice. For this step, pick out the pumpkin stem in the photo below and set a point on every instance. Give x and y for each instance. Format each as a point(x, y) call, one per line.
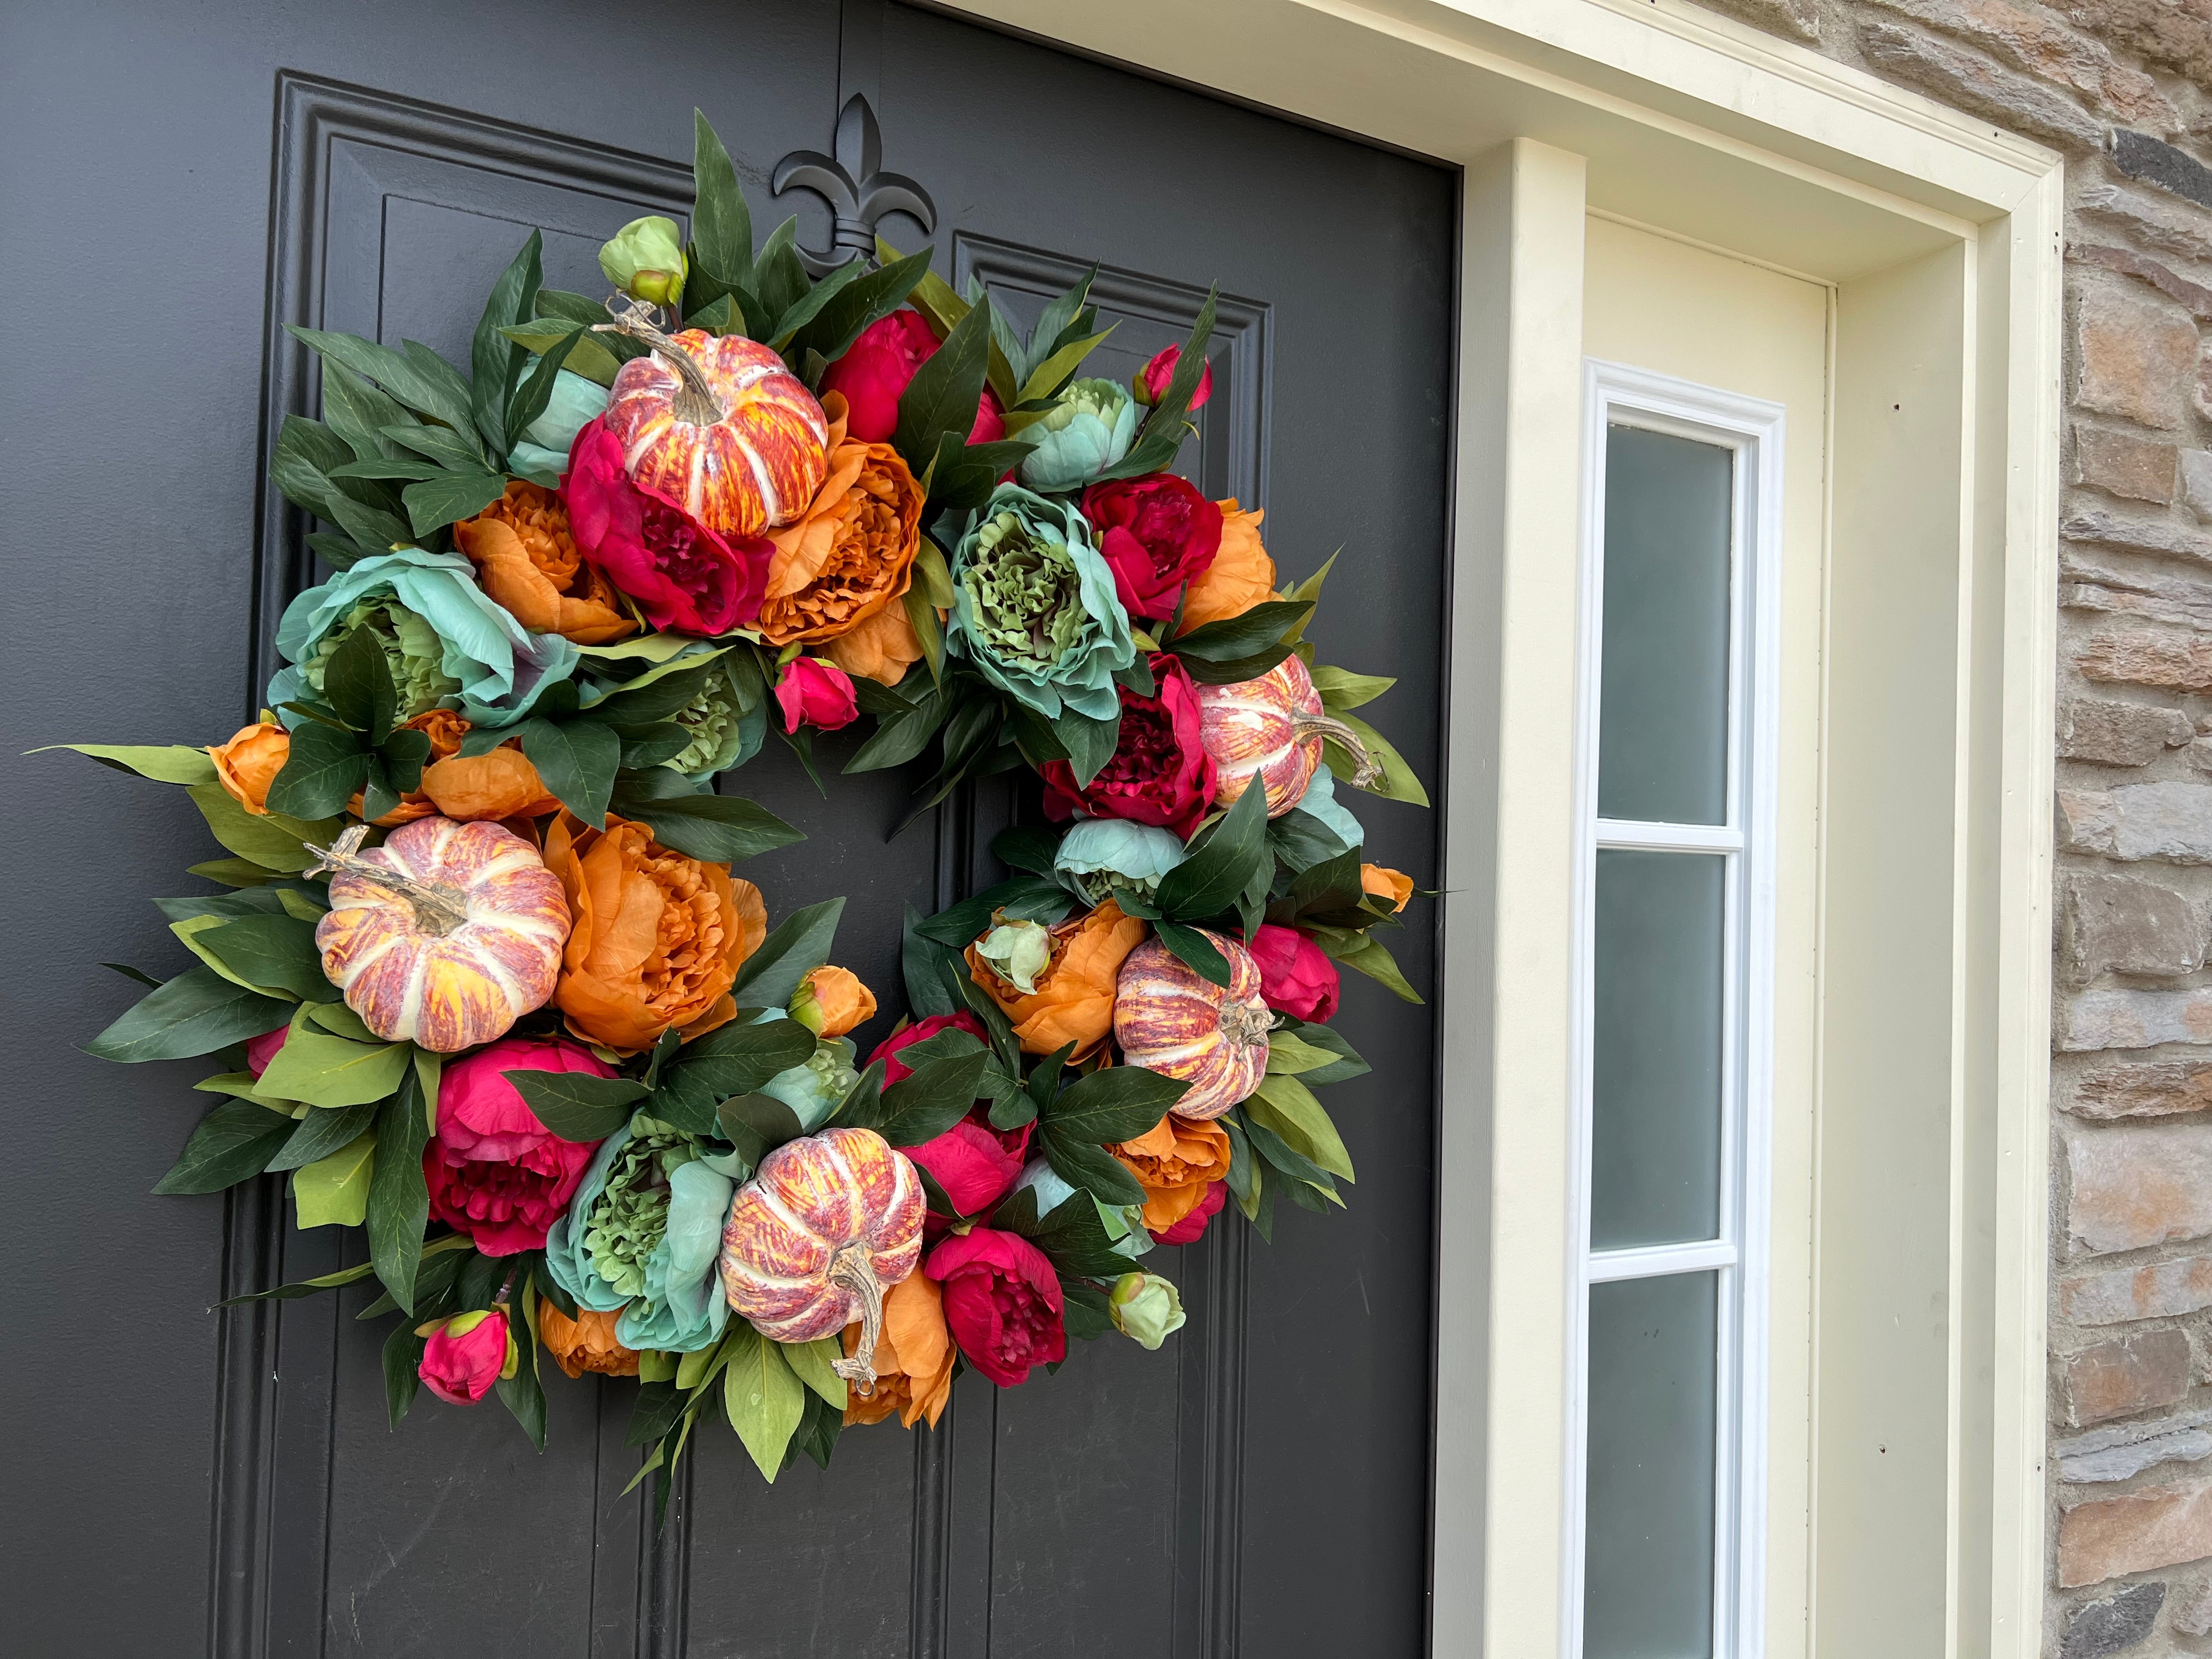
point(850, 1269)
point(439, 907)
point(696, 401)
point(1370, 770)
point(1246, 1023)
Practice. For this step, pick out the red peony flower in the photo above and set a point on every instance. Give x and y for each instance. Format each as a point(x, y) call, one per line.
point(465, 1356)
point(874, 371)
point(1193, 1225)
point(812, 692)
point(1155, 533)
point(976, 1165)
point(684, 576)
point(887, 1051)
point(1003, 1301)
point(1154, 377)
point(496, 1172)
point(1296, 975)
point(1160, 772)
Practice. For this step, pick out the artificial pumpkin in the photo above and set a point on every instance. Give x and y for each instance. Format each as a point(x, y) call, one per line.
point(1170, 1019)
point(1271, 728)
point(717, 425)
point(827, 1223)
point(444, 936)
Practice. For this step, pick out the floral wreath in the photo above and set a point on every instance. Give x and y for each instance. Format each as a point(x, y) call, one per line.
point(484, 983)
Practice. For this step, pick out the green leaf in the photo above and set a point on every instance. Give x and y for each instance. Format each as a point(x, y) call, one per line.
point(232, 873)
point(1116, 1104)
point(577, 760)
point(586, 355)
point(448, 449)
point(330, 1071)
point(300, 464)
point(1288, 1106)
point(1090, 744)
point(1221, 863)
point(576, 1105)
point(964, 474)
point(1397, 783)
point(403, 1360)
point(398, 1201)
point(779, 279)
point(439, 501)
point(276, 953)
point(945, 390)
point(1372, 958)
point(534, 392)
point(341, 1021)
point(358, 413)
point(803, 310)
point(1285, 1158)
point(195, 1013)
point(320, 1132)
point(1194, 949)
point(492, 360)
point(936, 1096)
point(762, 1396)
point(1097, 1171)
point(756, 1125)
point(272, 840)
point(294, 1292)
point(522, 1394)
point(814, 1363)
point(932, 295)
point(333, 1191)
point(722, 315)
point(793, 950)
point(1254, 630)
point(1056, 370)
point(918, 956)
point(744, 1057)
point(1341, 688)
point(1073, 1236)
point(405, 376)
point(899, 739)
point(722, 220)
point(719, 829)
point(871, 294)
point(1165, 430)
point(1023, 898)
point(234, 1142)
point(325, 768)
point(407, 468)
point(164, 764)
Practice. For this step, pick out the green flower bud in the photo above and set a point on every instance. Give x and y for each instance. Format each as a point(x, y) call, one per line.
point(1018, 952)
point(806, 1007)
point(1145, 1308)
point(646, 259)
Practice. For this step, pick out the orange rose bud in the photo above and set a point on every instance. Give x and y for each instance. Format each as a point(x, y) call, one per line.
point(586, 1343)
point(1393, 884)
point(849, 557)
point(1073, 1001)
point(1241, 576)
point(658, 938)
point(502, 784)
point(1175, 1161)
point(831, 1001)
point(527, 560)
point(249, 763)
point(914, 1358)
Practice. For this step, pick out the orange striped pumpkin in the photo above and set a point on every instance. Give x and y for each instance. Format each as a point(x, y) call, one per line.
point(827, 1223)
point(728, 433)
point(1169, 1020)
point(444, 936)
point(1271, 728)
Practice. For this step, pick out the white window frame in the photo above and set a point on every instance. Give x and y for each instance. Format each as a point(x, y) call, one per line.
point(1753, 430)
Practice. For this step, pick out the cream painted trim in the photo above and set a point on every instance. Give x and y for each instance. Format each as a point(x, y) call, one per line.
point(1667, 115)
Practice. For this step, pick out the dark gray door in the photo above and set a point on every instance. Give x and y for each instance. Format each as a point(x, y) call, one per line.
point(179, 181)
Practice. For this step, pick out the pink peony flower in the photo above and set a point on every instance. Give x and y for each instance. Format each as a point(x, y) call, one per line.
point(811, 692)
point(874, 371)
point(1003, 1302)
point(1153, 379)
point(1296, 975)
point(976, 1165)
point(465, 1356)
point(496, 1172)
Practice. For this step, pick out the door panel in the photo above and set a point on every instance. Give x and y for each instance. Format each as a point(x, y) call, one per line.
point(1261, 1482)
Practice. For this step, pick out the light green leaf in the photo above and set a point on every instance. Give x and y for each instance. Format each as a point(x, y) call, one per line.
point(271, 841)
point(330, 1071)
point(653, 647)
point(334, 1191)
point(233, 873)
point(816, 1364)
point(240, 1085)
point(1341, 688)
point(164, 764)
point(1397, 781)
point(587, 358)
point(192, 925)
point(1289, 1055)
point(1045, 378)
point(297, 904)
point(341, 1021)
point(1288, 1106)
point(763, 1397)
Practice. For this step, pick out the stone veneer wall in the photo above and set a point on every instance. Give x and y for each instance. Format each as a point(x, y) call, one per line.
point(2123, 87)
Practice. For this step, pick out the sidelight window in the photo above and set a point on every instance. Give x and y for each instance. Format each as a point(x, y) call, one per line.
point(1674, 986)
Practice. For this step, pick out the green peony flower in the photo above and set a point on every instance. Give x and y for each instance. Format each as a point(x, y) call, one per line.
point(1145, 1308)
point(1017, 952)
point(721, 736)
point(816, 1086)
point(645, 258)
point(472, 650)
point(1034, 606)
point(1099, 858)
point(540, 453)
point(1090, 428)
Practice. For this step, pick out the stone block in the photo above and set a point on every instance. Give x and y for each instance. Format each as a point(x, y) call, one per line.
point(2135, 1532)
point(2108, 733)
point(2179, 36)
point(2141, 1088)
point(2120, 924)
point(2194, 1617)
point(2142, 156)
point(2158, 536)
point(2165, 1290)
point(2144, 268)
point(2120, 464)
point(2195, 466)
point(2134, 1019)
point(2135, 355)
point(2149, 221)
point(2036, 42)
point(2145, 1184)
point(2140, 821)
point(2146, 656)
point(2126, 1449)
point(1971, 80)
point(2130, 1374)
point(2113, 1626)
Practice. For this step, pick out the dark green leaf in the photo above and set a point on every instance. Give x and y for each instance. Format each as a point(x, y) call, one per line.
point(658, 1406)
point(358, 413)
point(233, 1143)
point(723, 314)
point(779, 279)
point(403, 1360)
point(277, 952)
point(1242, 1176)
point(1081, 1163)
point(300, 464)
point(1023, 898)
point(1274, 1150)
point(577, 760)
point(936, 1096)
point(535, 392)
point(1254, 630)
point(925, 994)
point(963, 985)
point(407, 468)
point(862, 1107)
point(576, 1105)
point(819, 1429)
point(1165, 430)
point(1116, 1104)
point(294, 1292)
point(722, 222)
point(493, 360)
point(439, 501)
point(793, 950)
point(1073, 1236)
point(1347, 1064)
point(1088, 743)
point(804, 310)
point(684, 1103)
point(399, 1201)
point(965, 474)
point(324, 769)
point(522, 1395)
point(944, 392)
point(1237, 669)
point(1025, 846)
point(719, 829)
point(129, 972)
point(403, 753)
point(406, 377)
point(746, 1057)
point(1194, 949)
point(1085, 1314)
point(1221, 863)
point(357, 685)
point(324, 1130)
point(900, 737)
point(874, 293)
point(756, 1125)
point(1302, 841)
point(197, 1013)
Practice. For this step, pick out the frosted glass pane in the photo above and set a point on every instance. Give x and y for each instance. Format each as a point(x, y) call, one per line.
point(1655, 1082)
point(1648, 1571)
point(1663, 705)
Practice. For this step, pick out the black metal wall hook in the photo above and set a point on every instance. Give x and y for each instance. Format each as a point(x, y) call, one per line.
point(854, 185)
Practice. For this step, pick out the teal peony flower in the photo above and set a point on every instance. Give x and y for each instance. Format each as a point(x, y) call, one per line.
point(723, 733)
point(1099, 858)
point(540, 453)
point(1034, 606)
point(446, 643)
point(1090, 428)
point(816, 1086)
point(1320, 801)
point(1124, 1224)
point(643, 1234)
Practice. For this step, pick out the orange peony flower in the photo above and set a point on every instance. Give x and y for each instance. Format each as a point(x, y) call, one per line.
point(1173, 1161)
point(658, 938)
point(502, 784)
point(586, 1343)
point(1393, 884)
point(849, 557)
point(249, 763)
point(914, 1358)
point(881, 649)
point(1241, 576)
point(1073, 1001)
point(527, 560)
point(840, 998)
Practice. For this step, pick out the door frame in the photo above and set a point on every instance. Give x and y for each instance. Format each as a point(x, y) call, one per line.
point(1941, 238)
